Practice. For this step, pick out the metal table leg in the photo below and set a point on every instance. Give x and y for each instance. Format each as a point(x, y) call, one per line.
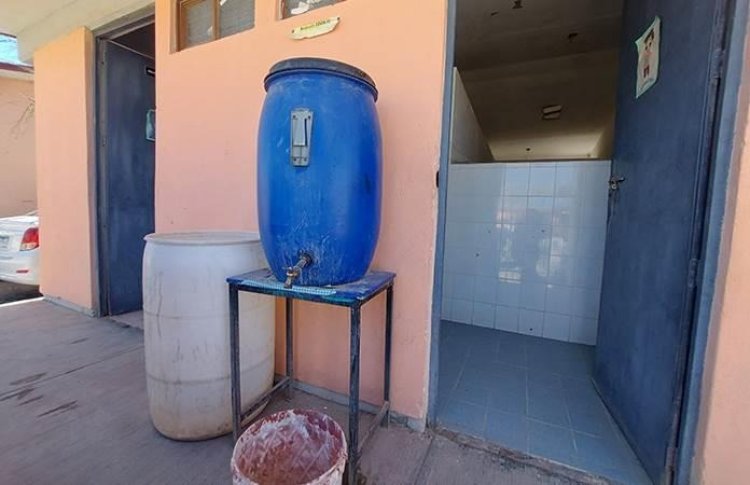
point(354, 329)
point(234, 346)
point(289, 347)
point(387, 370)
point(354, 444)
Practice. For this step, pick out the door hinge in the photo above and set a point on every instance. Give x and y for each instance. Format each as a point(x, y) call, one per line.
point(719, 58)
point(693, 273)
point(669, 472)
point(437, 179)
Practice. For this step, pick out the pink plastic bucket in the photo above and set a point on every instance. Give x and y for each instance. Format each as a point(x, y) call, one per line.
point(292, 447)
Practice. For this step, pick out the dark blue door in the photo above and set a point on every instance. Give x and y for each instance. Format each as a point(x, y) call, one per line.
point(661, 152)
point(126, 174)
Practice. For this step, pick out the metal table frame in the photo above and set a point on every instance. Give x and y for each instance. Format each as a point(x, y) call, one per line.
point(354, 296)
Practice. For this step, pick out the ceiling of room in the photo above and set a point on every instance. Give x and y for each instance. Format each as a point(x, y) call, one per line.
point(508, 102)
point(492, 32)
point(516, 61)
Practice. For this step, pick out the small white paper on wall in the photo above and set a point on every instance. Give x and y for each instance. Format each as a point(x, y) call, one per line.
point(648, 58)
point(315, 29)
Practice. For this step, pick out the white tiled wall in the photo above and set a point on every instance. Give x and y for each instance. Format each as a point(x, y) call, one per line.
point(525, 247)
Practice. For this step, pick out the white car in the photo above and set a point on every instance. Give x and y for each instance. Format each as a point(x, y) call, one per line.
point(19, 249)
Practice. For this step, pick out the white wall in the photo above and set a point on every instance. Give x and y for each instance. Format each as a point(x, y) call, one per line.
point(468, 143)
point(525, 247)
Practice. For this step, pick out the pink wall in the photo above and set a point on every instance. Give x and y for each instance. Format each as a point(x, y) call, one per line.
point(17, 183)
point(64, 154)
point(724, 429)
point(209, 99)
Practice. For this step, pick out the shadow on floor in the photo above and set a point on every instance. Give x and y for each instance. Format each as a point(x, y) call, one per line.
point(531, 395)
point(132, 319)
point(10, 292)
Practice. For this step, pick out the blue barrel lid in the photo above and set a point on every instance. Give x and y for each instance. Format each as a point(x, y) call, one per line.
point(323, 65)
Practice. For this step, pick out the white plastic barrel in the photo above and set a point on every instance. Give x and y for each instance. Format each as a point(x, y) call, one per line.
point(186, 330)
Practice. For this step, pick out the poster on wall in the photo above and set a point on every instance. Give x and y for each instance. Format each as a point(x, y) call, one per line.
point(648, 58)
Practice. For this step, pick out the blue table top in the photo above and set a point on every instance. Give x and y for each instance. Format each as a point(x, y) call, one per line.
point(263, 281)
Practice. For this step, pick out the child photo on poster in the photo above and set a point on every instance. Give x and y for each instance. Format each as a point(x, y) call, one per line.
point(648, 57)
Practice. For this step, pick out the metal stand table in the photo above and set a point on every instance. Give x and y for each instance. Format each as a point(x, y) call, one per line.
point(351, 295)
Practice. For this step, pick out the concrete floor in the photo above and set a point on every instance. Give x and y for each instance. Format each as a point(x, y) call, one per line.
point(132, 319)
point(74, 410)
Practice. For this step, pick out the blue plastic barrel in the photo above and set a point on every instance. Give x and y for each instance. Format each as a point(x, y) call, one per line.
point(319, 170)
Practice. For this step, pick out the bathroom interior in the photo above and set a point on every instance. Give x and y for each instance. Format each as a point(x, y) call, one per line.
point(533, 116)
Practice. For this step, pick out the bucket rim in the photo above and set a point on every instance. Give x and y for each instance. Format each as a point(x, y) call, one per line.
point(202, 238)
point(320, 64)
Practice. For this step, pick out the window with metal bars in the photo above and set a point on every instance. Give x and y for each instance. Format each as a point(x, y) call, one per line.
point(201, 21)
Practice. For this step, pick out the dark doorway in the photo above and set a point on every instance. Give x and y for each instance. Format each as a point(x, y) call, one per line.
point(125, 163)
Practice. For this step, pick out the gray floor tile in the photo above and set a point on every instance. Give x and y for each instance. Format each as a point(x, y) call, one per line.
point(534, 395)
point(565, 358)
point(508, 397)
point(540, 362)
point(574, 366)
point(450, 352)
point(545, 379)
point(475, 377)
point(587, 351)
point(603, 451)
point(507, 429)
point(587, 412)
point(508, 373)
point(444, 395)
point(610, 457)
point(511, 353)
point(582, 384)
point(591, 418)
point(552, 442)
point(580, 389)
point(486, 344)
point(471, 393)
point(548, 405)
point(448, 381)
point(550, 349)
point(465, 417)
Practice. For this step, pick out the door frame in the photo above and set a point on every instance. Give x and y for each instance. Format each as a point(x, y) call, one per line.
point(441, 179)
point(121, 26)
point(721, 175)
